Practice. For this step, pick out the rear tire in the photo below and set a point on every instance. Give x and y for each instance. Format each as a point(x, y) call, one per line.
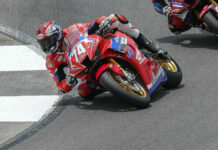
point(111, 85)
point(211, 21)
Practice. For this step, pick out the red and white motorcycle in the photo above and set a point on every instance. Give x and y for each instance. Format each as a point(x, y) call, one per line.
point(114, 62)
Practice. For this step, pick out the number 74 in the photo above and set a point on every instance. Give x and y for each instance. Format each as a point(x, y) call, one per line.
point(77, 51)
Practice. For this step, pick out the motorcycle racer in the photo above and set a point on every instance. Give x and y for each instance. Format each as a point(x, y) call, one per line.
point(176, 24)
point(50, 37)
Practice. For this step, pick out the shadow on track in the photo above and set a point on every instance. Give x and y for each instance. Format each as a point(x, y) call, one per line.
point(105, 101)
point(161, 92)
point(108, 102)
point(206, 40)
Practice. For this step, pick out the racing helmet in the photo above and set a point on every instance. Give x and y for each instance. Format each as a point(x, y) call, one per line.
point(49, 36)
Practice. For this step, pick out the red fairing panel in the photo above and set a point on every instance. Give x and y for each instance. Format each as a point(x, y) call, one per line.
point(130, 53)
point(110, 66)
point(79, 45)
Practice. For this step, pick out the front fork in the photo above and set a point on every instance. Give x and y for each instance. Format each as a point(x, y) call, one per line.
point(214, 2)
point(112, 65)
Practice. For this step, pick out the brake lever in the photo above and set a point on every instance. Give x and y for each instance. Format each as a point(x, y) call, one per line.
point(164, 57)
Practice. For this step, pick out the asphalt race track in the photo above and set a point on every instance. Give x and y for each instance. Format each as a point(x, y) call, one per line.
point(185, 118)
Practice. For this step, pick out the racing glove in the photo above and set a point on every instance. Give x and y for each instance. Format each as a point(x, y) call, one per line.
point(70, 80)
point(104, 26)
point(101, 28)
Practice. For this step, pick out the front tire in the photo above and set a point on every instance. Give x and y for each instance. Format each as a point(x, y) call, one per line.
point(212, 21)
point(111, 84)
point(173, 72)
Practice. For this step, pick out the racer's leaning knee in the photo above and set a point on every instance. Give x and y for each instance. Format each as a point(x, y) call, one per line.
point(84, 90)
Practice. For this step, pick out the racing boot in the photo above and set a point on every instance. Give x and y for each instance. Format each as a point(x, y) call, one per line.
point(151, 47)
point(143, 42)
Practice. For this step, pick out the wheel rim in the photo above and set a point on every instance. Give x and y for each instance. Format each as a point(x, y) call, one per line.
point(142, 92)
point(169, 65)
point(214, 2)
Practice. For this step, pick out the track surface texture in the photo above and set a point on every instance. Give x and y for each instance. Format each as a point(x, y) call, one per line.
point(181, 119)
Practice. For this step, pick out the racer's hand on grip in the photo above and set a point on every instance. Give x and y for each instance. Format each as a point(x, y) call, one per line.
point(70, 80)
point(162, 53)
point(104, 26)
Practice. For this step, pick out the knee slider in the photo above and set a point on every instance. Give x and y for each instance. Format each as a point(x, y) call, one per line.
point(173, 29)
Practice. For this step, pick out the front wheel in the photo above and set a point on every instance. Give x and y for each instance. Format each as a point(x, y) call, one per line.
point(132, 91)
point(173, 72)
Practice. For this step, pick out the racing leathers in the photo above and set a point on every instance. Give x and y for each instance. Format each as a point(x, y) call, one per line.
point(175, 23)
point(119, 22)
point(57, 62)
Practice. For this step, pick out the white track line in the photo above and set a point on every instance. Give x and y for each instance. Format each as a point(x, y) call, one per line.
point(22, 108)
point(25, 108)
point(20, 58)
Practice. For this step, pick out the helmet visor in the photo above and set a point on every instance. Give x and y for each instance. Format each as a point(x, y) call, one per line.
point(49, 44)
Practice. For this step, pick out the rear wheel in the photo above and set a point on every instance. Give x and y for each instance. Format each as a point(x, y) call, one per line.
point(173, 71)
point(212, 21)
point(131, 90)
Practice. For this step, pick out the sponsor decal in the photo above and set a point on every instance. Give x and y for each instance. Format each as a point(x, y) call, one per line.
point(143, 59)
point(115, 43)
point(138, 56)
point(40, 36)
point(119, 44)
point(156, 80)
point(123, 45)
point(130, 52)
point(124, 40)
point(60, 58)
